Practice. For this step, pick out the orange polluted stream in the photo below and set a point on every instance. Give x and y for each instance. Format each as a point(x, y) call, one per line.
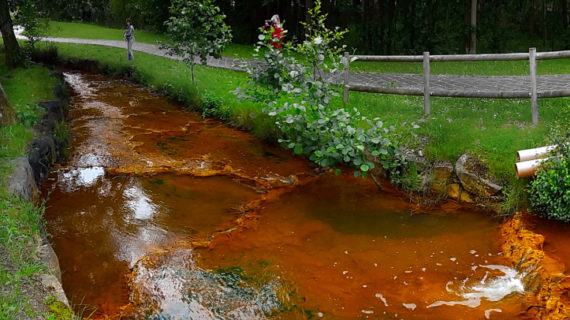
point(148, 185)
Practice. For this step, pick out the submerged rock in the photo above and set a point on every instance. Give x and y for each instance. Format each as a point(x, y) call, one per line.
point(170, 286)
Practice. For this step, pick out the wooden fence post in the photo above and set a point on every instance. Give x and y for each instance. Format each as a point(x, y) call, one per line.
point(346, 76)
point(427, 90)
point(533, 86)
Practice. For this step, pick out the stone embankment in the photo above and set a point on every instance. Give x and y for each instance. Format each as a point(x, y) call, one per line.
point(30, 171)
point(467, 181)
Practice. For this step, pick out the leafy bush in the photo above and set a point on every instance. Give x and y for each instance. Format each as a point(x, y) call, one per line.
point(213, 106)
point(550, 191)
point(299, 95)
point(28, 114)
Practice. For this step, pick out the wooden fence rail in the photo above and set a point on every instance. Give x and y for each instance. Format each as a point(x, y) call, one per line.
point(427, 91)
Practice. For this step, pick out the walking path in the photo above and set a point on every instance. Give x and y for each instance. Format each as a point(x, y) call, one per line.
point(466, 86)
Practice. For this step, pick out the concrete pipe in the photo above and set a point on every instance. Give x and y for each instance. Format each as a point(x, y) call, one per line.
point(526, 169)
point(533, 154)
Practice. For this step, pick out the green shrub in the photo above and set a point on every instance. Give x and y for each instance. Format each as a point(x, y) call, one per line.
point(550, 191)
point(28, 114)
point(299, 99)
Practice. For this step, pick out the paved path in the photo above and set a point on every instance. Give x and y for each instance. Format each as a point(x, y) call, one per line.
point(497, 87)
point(226, 63)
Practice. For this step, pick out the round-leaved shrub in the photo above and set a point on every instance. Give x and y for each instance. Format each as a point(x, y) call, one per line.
point(550, 191)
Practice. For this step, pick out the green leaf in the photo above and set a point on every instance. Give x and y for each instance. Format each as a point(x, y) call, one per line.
point(298, 149)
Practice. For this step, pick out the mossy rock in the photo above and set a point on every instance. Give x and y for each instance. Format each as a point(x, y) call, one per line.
point(474, 177)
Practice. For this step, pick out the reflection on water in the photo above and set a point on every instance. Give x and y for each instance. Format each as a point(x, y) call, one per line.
point(82, 177)
point(145, 180)
point(184, 291)
point(142, 208)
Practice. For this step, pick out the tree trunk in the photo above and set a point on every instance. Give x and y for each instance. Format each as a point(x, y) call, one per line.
point(13, 55)
point(6, 112)
point(473, 28)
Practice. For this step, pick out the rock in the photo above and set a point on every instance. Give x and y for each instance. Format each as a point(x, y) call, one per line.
point(441, 177)
point(22, 182)
point(465, 197)
point(276, 181)
point(54, 113)
point(41, 156)
point(51, 281)
point(474, 178)
point(161, 283)
point(454, 191)
point(53, 286)
point(421, 163)
point(49, 258)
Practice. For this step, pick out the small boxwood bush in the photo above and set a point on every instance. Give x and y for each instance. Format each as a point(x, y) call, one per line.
point(550, 191)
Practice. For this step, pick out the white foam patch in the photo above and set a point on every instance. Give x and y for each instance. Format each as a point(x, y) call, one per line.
point(410, 306)
point(488, 312)
point(488, 288)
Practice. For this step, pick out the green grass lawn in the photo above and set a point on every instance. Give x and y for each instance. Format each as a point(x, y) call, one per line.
point(492, 68)
point(20, 221)
point(62, 29)
point(493, 129)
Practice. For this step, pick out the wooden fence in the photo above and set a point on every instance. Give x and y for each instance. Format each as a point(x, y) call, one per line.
point(427, 92)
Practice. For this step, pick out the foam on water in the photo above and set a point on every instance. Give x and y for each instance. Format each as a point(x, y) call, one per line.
point(490, 288)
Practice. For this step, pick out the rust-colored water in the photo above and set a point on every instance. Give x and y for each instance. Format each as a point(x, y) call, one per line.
point(146, 182)
point(353, 252)
point(556, 236)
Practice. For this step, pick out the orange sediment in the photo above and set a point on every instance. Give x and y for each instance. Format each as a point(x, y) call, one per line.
point(545, 272)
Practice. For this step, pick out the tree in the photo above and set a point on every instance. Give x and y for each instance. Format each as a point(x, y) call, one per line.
point(197, 30)
point(28, 16)
point(6, 112)
point(473, 28)
point(13, 53)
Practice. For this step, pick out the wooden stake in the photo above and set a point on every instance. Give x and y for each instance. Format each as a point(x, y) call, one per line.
point(427, 92)
point(533, 86)
point(346, 77)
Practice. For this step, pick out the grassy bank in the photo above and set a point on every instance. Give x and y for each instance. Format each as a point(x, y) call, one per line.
point(21, 221)
point(493, 129)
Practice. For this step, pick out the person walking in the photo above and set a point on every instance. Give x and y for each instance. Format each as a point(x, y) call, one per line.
point(129, 36)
